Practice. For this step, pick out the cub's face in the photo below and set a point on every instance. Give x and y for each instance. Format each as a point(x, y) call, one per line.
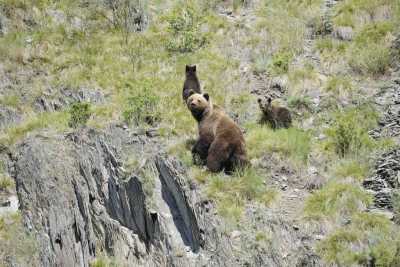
point(265, 105)
point(198, 102)
point(190, 69)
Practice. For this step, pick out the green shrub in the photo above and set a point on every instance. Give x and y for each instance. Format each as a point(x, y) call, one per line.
point(370, 53)
point(280, 62)
point(348, 132)
point(80, 114)
point(6, 183)
point(184, 28)
point(373, 58)
point(142, 106)
point(336, 199)
point(369, 240)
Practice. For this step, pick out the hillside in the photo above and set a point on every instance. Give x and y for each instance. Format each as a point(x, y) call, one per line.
point(95, 140)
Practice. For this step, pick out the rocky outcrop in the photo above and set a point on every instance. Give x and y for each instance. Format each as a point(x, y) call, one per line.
point(53, 100)
point(78, 201)
point(385, 180)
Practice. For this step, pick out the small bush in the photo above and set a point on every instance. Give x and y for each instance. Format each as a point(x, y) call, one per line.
point(142, 106)
point(280, 63)
point(349, 130)
point(373, 58)
point(336, 199)
point(80, 114)
point(6, 183)
point(184, 27)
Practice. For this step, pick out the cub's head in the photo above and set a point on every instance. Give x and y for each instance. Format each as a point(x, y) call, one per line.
point(265, 106)
point(197, 104)
point(190, 69)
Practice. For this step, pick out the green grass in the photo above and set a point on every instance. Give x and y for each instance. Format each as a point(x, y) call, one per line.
point(353, 168)
point(336, 199)
point(231, 193)
point(16, 242)
point(288, 143)
point(369, 238)
point(348, 133)
point(338, 83)
point(10, 100)
point(6, 183)
point(54, 120)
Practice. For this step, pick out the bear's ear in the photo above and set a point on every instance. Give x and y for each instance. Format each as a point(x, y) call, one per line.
point(269, 100)
point(194, 68)
point(206, 96)
point(191, 92)
point(187, 68)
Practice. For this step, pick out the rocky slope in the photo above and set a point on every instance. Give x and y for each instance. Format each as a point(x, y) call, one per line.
point(117, 193)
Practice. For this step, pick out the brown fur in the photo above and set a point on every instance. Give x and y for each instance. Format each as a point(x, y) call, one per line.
point(221, 144)
point(278, 117)
point(191, 82)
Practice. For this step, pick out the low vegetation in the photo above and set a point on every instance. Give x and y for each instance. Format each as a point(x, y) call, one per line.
point(348, 133)
point(16, 243)
point(6, 183)
point(289, 143)
point(233, 192)
point(79, 114)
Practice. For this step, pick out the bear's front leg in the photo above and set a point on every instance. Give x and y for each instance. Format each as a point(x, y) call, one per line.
point(199, 152)
point(218, 154)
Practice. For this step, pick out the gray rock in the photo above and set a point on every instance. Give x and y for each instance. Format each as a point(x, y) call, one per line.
point(77, 202)
point(343, 33)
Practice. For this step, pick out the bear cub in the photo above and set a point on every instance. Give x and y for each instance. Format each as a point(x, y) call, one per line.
point(191, 82)
point(220, 145)
point(277, 117)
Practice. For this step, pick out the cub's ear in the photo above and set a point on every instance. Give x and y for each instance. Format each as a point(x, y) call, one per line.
point(206, 96)
point(269, 100)
point(191, 92)
point(187, 67)
point(194, 68)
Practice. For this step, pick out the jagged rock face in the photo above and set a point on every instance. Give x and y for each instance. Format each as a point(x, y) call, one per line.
point(75, 197)
point(386, 179)
point(50, 102)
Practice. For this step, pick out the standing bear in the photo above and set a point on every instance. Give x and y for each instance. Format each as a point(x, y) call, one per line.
point(221, 144)
point(191, 82)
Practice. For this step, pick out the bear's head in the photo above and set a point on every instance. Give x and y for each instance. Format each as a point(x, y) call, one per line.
point(198, 103)
point(190, 70)
point(266, 107)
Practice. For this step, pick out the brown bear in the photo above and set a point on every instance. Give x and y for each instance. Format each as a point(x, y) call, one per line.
point(221, 144)
point(191, 82)
point(276, 116)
